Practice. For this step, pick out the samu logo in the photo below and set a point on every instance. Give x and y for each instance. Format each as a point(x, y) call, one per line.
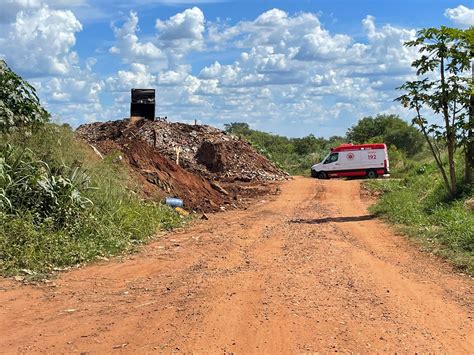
point(350, 156)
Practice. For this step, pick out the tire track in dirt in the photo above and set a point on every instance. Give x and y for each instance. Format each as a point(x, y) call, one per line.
point(309, 270)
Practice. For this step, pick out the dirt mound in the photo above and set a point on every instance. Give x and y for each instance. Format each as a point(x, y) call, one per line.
point(200, 149)
point(209, 169)
point(172, 179)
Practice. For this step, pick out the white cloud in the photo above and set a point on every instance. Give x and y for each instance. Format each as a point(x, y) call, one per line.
point(128, 45)
point(319, 45)
point(385, 51)
point(290, 66)
point(461, 15)
point(172, 77)
point(276, 68)
point(180, 34)
point(40, 42)
point(138, 77)
point(187, 25)
point(175, 37)
point(79, 89)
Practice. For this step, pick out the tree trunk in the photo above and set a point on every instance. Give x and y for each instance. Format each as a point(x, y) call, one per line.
point(450, 134)
point(438, 162)
point(469, 152)
point(452, 164)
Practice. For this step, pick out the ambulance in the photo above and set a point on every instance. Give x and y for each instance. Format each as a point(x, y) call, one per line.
point(349, 160)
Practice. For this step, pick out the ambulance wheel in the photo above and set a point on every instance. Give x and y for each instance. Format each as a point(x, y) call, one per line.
point(372, 174)
point(314, 174)
point(322, 175)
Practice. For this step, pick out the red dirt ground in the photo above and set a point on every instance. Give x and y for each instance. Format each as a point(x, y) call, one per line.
point(309, 270)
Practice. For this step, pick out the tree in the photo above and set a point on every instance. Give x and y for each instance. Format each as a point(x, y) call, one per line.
point(237, 128)
point(389, 129)
point(469, 151)
point(19, 105)
point(309, 144)
point(444, 59)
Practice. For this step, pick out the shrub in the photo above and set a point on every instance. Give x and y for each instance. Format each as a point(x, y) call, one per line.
point(66, 206)
point(31, 186)
point(19, 105)
point(421, 206)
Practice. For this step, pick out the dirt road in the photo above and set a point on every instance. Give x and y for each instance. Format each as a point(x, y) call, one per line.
point(308, 270)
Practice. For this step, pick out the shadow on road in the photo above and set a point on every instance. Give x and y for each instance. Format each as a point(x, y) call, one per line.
point(334, 219)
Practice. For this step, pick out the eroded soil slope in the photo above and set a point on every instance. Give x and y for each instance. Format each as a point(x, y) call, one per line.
point(308, 270)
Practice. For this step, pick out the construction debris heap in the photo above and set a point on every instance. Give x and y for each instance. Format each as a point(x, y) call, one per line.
point(210, 169)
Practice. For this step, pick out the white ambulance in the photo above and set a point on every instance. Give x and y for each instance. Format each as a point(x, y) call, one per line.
point(349, 160)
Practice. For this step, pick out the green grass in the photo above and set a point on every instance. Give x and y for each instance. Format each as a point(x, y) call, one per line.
point(115, 220)
point(419, 206)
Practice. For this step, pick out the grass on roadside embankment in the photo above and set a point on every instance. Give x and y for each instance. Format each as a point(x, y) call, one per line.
point(419, 207)
point(61, 205)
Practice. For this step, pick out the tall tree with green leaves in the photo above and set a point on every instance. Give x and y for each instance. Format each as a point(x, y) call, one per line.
point(19, 105)
point(469, 152)
point(390, 129)
point(443, 89)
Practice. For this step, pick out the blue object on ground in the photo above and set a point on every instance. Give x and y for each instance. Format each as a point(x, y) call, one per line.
point(174, 202)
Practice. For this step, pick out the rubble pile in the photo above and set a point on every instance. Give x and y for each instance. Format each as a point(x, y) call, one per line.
point(201, 149)
point(209, 169)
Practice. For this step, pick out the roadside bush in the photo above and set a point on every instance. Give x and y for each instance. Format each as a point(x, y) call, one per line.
point(39, 248)
point(29, 185)
point(19, 105)
point(421, 207)
point(62, 205)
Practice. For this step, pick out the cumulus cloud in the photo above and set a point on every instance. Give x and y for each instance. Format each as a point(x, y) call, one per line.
point(80, 86)
point(37, 40)
point(175, 37)
point(181, 33)
point(277, 68)
point(292, 65)
point(40, 42)
point(386, 51)
point(187, 25)
point(292, 49)
point(128, 45)
point(138, 76)
point(461, 15)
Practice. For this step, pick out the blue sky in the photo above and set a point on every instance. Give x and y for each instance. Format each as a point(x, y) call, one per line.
point(290, 67)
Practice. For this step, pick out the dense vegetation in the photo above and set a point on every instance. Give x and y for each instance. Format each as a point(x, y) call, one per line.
point(421, 207)
point(297, 155)
point(60, 204)
point(389, 129)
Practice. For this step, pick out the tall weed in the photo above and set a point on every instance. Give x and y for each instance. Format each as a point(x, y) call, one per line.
point(61, 205)
point(420, 205)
